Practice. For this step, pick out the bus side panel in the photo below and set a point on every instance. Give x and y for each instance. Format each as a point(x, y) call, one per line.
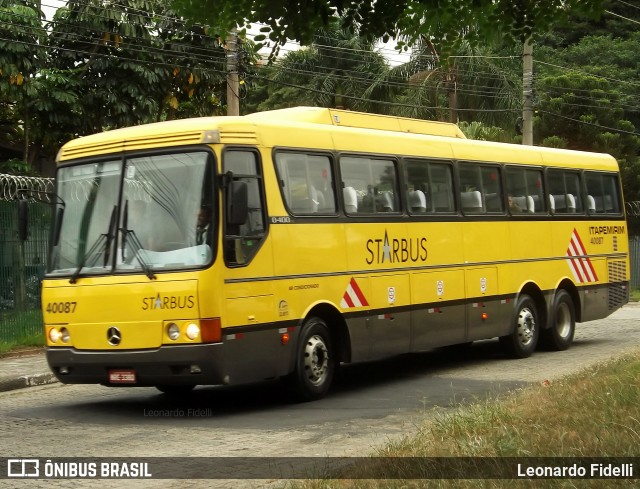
point(264, 355)
point(360, 338)
point(485, 313)
point(439, 318)
point(390, 332)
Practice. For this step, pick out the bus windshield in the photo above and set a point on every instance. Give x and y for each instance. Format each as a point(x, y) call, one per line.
point(143, 213)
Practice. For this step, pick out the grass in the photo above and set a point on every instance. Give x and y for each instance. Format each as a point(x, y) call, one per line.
point(634, 294)
point(20, 330)
point(21, 343)
point(595, 413)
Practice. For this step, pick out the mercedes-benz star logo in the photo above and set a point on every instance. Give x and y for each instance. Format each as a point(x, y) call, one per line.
point(114, 337)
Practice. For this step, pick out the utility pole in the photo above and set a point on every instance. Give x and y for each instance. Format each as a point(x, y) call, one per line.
point(452, 85)
point(527, 93)
point(233, 84)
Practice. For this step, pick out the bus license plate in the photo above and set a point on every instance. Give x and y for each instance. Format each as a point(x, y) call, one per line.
point(122, 376)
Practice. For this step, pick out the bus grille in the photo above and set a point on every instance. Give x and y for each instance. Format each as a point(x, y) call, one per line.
point(618, 290)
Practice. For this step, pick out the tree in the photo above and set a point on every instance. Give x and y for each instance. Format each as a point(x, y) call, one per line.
point(21, 56)
point(339, 69)
point(98, 65)
point(299, 20)
point(471, 83)
point(587, 98)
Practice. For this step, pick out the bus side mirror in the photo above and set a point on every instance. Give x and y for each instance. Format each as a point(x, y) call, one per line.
point(237, 202)
point(23, 219)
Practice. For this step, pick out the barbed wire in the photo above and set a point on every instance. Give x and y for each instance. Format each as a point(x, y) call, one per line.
point(633, 208)
point(14, 186)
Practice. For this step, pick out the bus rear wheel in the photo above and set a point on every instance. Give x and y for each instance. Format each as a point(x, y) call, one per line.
point(523, 339)
point(563, 324)
point(314, 363)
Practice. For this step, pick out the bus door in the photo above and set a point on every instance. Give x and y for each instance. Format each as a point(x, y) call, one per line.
point(250, 306)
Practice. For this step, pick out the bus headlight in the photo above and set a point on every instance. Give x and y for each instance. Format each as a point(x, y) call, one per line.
point(54, 335)
point(65, 336)
point(192, 331)
point(173, 331)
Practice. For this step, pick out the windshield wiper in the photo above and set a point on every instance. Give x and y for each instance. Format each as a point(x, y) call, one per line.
point(137, 245)
point(105, 238)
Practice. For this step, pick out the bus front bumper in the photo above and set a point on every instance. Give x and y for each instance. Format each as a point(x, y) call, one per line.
point(201, 364)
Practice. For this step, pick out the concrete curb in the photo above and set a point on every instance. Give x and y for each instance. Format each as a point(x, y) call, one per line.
point(10, 384)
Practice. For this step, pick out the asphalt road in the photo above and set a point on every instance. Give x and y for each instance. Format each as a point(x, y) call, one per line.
point(369, 405)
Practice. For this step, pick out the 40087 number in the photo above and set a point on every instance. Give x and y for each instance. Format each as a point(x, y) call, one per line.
point(61, 307)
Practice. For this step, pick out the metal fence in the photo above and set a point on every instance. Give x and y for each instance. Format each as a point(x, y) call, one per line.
point(22, 263)
point(633, 225)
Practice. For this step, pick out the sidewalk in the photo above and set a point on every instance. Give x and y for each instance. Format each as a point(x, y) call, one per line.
point(25, 369)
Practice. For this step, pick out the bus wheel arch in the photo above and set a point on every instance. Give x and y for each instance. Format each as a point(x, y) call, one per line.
point(318, 352)
point(337, 328)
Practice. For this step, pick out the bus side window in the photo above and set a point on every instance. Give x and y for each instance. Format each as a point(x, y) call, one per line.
point(603, 194)
point(374, 181)
point(306, 182)
point(429, 187)
point(524, 186)
point(565, 195)
point(241, 242)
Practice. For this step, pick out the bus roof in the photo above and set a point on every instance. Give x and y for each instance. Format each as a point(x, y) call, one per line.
point(347, 118)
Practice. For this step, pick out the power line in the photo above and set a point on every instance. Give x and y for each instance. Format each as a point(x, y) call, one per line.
point(588, 123)
point(588, 74)
point(629, 4)
point(622, 17)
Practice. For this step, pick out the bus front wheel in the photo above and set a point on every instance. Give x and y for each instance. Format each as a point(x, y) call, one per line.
point(314, 363)
point(525, 330)
point(563, 323)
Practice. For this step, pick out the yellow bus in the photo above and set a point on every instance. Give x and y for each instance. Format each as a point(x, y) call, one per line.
point(227, 250)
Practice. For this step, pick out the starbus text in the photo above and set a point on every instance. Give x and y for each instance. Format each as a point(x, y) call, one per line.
point(396, 250)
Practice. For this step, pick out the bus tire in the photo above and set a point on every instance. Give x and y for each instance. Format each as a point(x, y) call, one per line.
point(523, 339)
point(314, 363)
point(175, 390)
point(563, 323)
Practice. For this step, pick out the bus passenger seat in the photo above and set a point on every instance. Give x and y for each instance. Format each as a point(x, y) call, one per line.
point(471, 201)
point(591, 203)
point(571, 203)
point(317, 198)
point(350, 200)
point(385, 202)
point(417, 201)
point(304, 199)
point(608, 204)
point(531, 206)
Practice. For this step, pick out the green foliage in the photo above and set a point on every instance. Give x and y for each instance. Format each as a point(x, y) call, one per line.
point(409, 19)
point(590, 104)
point(100, 65)
point(555, 142)
point(477, 130)
point(339, 69)
point(15, 166)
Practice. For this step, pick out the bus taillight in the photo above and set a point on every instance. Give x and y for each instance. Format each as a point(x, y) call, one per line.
point(210, 330)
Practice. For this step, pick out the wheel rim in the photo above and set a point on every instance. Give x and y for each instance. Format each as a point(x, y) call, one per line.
point(526, 326)
point(563, 320)
point(316, 360)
